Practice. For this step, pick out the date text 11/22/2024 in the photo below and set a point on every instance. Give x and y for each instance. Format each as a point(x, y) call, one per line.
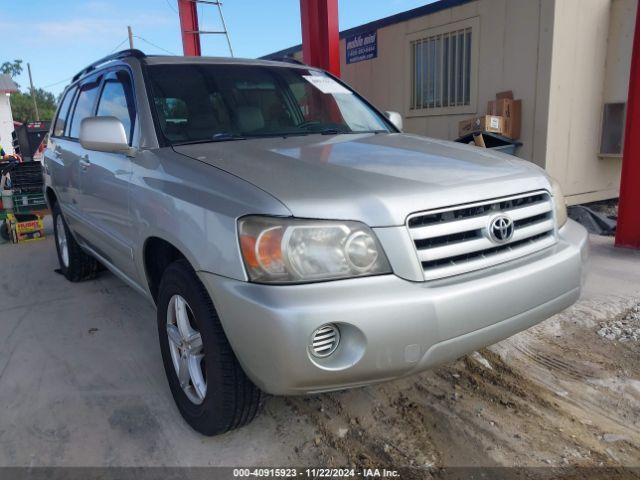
point(315, 473)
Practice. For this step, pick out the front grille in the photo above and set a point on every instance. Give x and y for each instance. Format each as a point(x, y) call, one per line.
point(325, 340)
point(457, 240)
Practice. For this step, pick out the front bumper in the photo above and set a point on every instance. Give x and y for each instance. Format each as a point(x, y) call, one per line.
point(391, 327)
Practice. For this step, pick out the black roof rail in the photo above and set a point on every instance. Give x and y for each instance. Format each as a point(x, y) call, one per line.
point(114, 56)
point(288, 60)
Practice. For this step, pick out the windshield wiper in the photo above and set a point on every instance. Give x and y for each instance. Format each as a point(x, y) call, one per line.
point(279, 134)
point(330, 131)
point(218, 137)
point(224, 137)
point(370, 131)
point(336, 131)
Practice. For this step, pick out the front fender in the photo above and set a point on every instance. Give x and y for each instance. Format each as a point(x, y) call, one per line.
point(194, 207)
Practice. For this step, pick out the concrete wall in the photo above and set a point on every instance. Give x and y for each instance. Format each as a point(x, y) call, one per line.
point(6, 123)
point(590, 66)
point(515, 39)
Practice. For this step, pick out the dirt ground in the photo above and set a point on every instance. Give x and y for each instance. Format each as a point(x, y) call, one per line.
point(81, 384)
point(556, 395)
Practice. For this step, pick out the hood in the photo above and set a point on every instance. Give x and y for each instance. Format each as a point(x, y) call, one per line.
point(377, 179)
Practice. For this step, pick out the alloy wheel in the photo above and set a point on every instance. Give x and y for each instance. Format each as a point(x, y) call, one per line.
point(187, 350)
point(61, 239)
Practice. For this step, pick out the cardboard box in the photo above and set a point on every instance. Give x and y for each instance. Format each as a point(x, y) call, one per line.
point(26, 231)
point(508, 94)
point(511, 110)
point(485, 123)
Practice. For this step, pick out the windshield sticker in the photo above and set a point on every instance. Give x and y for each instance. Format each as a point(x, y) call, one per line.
point(326, 84)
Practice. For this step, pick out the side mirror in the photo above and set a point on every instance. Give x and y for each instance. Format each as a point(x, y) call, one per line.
point(103, 134)
point(395, 118)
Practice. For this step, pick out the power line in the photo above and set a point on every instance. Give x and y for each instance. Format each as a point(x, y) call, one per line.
point(118, 46)
point(113, 50)
point(56, 83)
point(154, 45)
point(69, 78)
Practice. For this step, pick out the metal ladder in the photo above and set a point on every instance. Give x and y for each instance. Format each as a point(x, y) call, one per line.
point(224, 30)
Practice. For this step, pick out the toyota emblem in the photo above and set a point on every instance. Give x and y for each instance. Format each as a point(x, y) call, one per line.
point(501, 229)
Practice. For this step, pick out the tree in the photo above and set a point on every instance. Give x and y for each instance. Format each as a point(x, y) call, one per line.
point(22, 105)
point(13, 69)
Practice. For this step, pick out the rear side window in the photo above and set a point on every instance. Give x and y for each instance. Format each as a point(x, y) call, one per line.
point(84, 106)
point(63, 113)
point(117, 101)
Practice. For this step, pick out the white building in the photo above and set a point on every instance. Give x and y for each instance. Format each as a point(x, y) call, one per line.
point(568, 60)
point(7, 87)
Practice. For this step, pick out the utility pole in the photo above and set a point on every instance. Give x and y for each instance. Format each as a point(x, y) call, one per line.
point(130, 37)
point(33, 93)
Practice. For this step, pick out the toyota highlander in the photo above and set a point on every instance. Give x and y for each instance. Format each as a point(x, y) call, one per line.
point(291, 238)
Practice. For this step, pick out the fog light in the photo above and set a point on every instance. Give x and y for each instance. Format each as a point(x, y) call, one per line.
point(325, 340)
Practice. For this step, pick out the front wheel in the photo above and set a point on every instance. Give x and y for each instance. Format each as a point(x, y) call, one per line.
point(211, 390)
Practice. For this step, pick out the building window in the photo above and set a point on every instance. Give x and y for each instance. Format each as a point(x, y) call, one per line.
point(613, 124)
point(444, 69)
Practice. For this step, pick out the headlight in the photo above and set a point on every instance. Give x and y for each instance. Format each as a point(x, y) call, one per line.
point(559, 203)
point(288, 250)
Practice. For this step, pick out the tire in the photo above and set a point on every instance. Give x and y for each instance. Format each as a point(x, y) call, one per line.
point(4, 231)
point(230, 399)
point(75, 264)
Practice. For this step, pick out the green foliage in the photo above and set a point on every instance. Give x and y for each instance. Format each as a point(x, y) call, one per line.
point(22, 106)
point(22, 103)
point(12, 69)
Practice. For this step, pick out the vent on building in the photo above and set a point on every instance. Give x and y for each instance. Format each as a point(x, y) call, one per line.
point(613, 123)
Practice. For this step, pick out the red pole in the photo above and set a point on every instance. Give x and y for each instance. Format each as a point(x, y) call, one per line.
point(189, 27)
point(628, 230)
point(320, 34)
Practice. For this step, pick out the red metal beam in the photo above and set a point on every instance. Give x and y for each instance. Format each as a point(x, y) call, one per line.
point(628, 230)
point(320, 34)
point(189, 27)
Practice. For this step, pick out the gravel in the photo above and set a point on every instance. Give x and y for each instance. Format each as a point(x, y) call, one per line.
point(624, 329)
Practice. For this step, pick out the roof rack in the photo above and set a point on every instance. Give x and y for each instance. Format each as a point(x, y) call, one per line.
point(114, 56)
point(288, 60)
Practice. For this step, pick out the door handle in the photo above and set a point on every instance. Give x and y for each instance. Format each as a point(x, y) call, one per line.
point(84, 162)
point(57, 152)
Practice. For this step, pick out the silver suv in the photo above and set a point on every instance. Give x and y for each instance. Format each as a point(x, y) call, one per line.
point(292, 239)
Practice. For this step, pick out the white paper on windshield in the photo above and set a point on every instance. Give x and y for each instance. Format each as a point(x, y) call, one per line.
point(326, 84)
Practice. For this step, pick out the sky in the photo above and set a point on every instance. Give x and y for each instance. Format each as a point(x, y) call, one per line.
point(58, 38)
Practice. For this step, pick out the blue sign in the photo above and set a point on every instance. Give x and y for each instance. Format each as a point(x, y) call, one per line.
point(362, 47)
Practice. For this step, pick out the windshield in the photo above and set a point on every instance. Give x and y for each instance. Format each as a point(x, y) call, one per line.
point(199, 103)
